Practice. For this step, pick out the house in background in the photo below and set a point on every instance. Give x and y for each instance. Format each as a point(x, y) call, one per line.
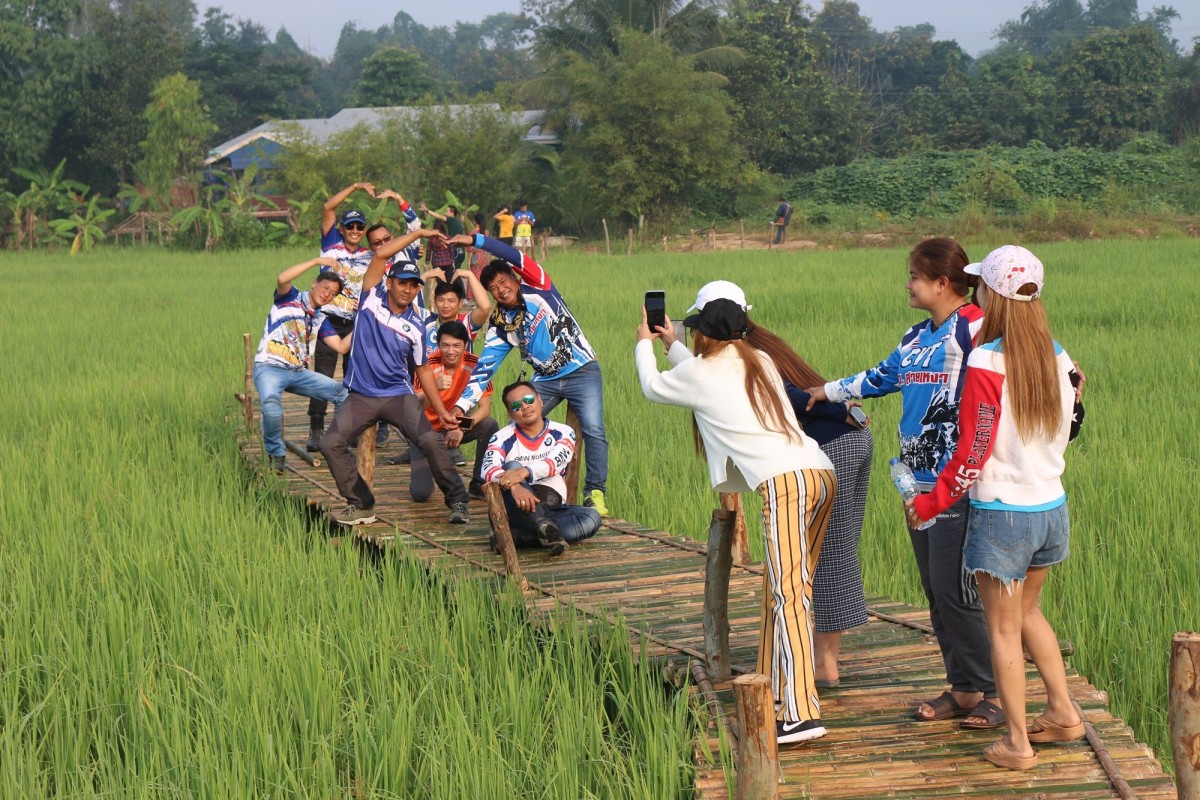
point(262, 144)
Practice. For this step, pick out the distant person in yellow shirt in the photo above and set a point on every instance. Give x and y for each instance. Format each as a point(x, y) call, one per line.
point(505, 218)
point(524, 220)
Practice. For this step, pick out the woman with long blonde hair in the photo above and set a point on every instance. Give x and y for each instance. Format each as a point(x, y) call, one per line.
point(1019, 410)
point(747, 431)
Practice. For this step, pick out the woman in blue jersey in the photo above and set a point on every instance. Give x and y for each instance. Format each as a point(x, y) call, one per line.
point(928, 369)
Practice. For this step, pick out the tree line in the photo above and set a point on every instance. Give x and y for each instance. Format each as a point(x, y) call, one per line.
point(661, 107)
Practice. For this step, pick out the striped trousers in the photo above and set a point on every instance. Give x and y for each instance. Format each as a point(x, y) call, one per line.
point(796, 508)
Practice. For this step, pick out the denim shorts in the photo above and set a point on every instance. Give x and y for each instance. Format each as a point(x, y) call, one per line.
point(1004, 544)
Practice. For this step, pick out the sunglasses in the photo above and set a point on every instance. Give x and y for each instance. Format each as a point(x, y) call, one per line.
point(381, 240)
point(528, 400)
point(354, 226)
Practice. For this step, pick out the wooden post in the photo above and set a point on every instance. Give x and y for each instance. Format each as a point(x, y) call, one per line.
point(758, 750)
point(248, 383)
point(771, 236)
point(742, 233)
point(572, 476)
point(731, 501)
point(716, 595)
point(504, 540)
point(1183, 712)
point(607, 243)
point(629, 243)
point(366, 456)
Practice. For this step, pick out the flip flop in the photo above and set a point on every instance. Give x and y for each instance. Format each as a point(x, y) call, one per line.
point(944, 707)
point(824, 684)
point(1000, 754)
point(991, 712)
point(1043, 730)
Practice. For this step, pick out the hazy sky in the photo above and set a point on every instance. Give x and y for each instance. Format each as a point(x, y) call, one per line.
point(315, 24)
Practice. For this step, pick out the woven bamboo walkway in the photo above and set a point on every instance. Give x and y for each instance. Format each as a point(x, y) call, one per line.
point(874, 748)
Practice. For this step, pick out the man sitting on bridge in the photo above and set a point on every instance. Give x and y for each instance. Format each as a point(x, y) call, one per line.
point(528, 458)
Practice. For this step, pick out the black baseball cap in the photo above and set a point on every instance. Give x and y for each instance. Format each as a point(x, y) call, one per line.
point(721, 319)
point(405, 271)
point(354, 215)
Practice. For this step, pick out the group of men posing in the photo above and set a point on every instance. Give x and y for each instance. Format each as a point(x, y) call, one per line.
point(413, 369)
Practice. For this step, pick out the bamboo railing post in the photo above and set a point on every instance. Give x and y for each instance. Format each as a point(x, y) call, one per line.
point(716, 594)
point(366, 456)
point(572, 476)
point(731, 501)
point(248, 384)
point(758, 750)
point(1183, 712)
point(504, 540)
point(629, 242)
point(742, 233)
point(607, 243)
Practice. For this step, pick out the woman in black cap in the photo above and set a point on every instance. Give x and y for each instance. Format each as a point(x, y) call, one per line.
point(747, 430)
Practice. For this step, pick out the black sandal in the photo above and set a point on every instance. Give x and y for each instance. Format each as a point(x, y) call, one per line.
point(944, 707)
point(991, 712)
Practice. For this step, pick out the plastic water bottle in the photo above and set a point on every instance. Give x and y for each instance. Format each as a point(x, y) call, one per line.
point(906, 484)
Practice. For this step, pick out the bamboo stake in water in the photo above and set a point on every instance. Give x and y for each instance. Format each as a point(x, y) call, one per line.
point(718, 561)
point(1183, 711)
point(758, 751)
point(504, 540)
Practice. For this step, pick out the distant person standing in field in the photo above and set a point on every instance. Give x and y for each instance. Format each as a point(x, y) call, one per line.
point(479, 258)
point(524, 221)
point(783, 218)
point(1019, 410)
point(748, 433)
point(454, 227)
point(505, 223)
point(532, 316)
point(387, 356)
point(285, 350)
point(928, 368)
point(344, 244)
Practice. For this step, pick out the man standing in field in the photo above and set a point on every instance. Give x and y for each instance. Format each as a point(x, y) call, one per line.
point(532, 316)
point(345, 245)
point(451, 364)
point(505, 221)
point(524, 221)
point(285, 350)
point(388, 353)
point(454, 227)
point(783, 218)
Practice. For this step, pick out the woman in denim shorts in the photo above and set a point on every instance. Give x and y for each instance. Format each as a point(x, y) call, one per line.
point(1019, 410)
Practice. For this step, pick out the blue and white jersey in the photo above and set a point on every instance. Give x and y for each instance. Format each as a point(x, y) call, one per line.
point(291, 331)
point(928, 369)
point(542, 328)
point(546, 455)
point(352, 266)
point(431, 330)
point(386, 349)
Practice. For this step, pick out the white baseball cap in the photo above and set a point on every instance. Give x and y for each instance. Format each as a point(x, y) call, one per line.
point(720, 290)
point(1006, 269)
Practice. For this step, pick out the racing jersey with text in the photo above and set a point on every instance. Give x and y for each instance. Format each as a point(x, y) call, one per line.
point(431, 330)
point(541, 327)
point(386, 349)
point(352, 266)
point(547, 454)
point(928, 369)
point(291, 331)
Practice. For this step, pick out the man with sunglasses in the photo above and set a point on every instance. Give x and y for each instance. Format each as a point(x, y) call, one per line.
point(345, 245)
point(532, 317)
point(386, 358)
point(528, 458)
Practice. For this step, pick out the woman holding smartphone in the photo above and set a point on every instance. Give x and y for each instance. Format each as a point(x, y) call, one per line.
point(1018, 413)
point(746, 429)
point(928, 369)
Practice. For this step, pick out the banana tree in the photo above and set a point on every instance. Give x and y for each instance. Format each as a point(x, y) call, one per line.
point(83, 226)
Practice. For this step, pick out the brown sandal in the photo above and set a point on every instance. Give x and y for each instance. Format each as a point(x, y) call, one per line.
point(992, 713)
point(1000, 753)
point(944, 707)
point(1043, 730)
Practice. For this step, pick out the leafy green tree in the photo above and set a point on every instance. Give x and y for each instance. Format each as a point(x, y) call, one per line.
point(1019, 99)
point(178, 130)
point(651, 130)
point(84, 225)
point(392, 76)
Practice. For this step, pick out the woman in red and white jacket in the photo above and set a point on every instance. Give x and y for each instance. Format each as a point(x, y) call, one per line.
point(1019, 410)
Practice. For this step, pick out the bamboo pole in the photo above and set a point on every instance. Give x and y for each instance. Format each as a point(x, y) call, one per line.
point(607, 243)
point(366, 456)
point(731, 501)
point(298, 449)
point(629, 242)
point(248, 381)
point(1183, 712)
point(742, 233)
point(504, 540)
point(572, 476)
point(718, 561)
point(758, 751)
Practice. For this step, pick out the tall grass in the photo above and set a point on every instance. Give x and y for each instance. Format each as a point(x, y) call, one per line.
point(169, 628)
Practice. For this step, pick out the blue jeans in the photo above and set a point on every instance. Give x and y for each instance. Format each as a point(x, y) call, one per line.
point(271, 382)
point(575, 523)
point(583, 389)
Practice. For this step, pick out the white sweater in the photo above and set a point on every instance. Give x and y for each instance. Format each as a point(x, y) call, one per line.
point(742, 454)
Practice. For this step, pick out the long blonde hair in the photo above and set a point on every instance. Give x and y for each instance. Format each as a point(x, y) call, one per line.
point(764, 395)
point(1029, 362)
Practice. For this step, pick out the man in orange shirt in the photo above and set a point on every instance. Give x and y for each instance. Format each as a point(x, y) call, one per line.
point(452, 363)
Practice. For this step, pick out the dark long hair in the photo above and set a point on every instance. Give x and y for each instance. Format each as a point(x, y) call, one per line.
point(942, 257)
point(794, 369)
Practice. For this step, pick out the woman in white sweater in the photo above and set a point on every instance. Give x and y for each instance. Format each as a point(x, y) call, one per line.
point(747, 430)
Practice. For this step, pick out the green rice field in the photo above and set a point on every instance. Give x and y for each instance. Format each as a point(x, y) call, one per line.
point(173, 625)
